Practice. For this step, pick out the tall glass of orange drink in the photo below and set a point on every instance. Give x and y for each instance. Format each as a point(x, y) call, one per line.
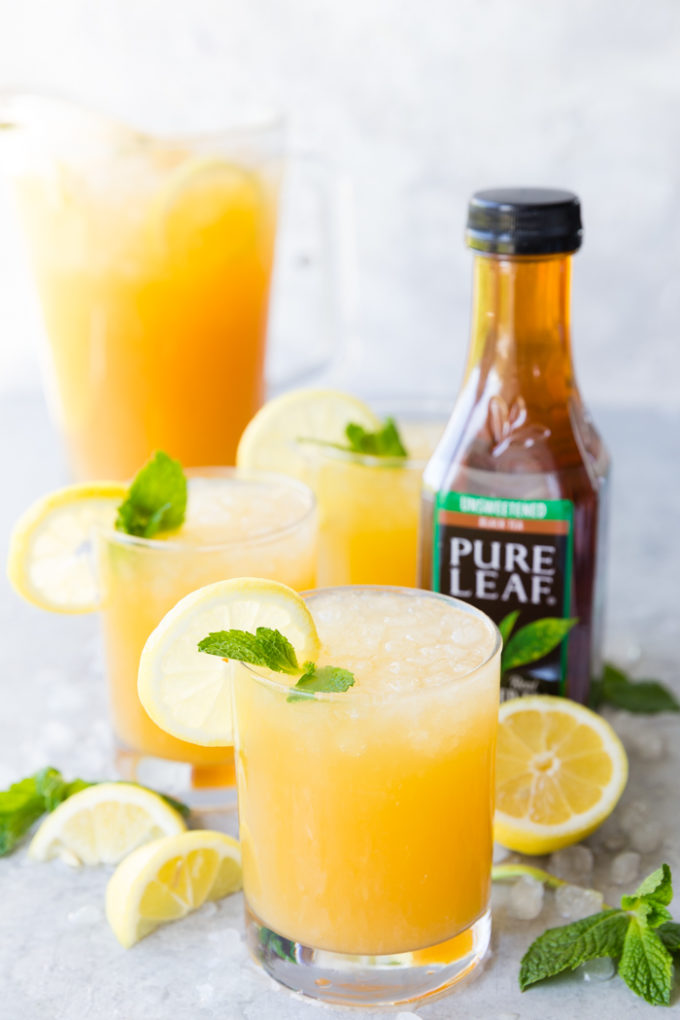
point(366, 816)
point(153, 261)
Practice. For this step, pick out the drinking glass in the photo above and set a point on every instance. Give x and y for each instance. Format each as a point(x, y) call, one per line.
point(366, 816)
point(141, 579)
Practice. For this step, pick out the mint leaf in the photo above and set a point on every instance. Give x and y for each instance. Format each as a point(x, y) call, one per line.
point(265, 647)
point(385, 442)
point(646, 965)
point(156, 500)
point(324, 679)
point(651, 898)
point(669, 933)
point(534, 641)
point(506, 625)
point(616, 688)
point(569, 946)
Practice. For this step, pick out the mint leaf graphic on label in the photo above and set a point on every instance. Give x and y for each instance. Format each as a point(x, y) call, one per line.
point(270, 648)
point(639, 935)
point(325, 679)
point(156, 500)
point(507, 624)
point(616, 688)
point(533, 641)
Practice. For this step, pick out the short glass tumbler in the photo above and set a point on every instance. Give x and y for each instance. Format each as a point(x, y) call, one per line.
point(366, 816)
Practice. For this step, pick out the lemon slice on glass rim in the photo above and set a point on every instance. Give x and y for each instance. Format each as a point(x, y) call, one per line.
point(560, 771)
point(188, 693)
point(271, 440)
point(51, 562)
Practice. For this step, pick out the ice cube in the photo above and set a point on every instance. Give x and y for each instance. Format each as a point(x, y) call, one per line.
point(615, 841)
point(89, 914)
point(575, 902)
point(573, 862)
point(625, 868)
point(526, 898)
point(500, 853)
point(600, 969)
point(204, 993)
point(633, 815)
point(647, 836)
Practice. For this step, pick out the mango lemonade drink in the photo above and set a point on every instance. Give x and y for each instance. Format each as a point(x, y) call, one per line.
point(236, 524)
point(369, 511)
point(153, 263)
point(366, 816)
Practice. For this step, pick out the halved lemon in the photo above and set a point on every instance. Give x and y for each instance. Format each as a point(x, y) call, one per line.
point(51, 562)
point(188, 693)
point(167, 879)
point(271, 441)
point(103, 823)
point(560, 770)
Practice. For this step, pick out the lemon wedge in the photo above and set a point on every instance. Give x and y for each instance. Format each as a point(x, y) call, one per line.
point(270, 441)
point(188, 693)
point(168, 878)
point(560, 771)
point(103, 823)
point(51, 562)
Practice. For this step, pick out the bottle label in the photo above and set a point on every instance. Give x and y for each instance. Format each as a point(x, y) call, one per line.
point(512, 558)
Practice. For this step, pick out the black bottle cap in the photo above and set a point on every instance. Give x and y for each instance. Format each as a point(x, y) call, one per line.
point(524, 221)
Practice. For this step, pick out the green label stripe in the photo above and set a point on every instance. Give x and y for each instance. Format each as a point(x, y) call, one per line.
point(495, 506)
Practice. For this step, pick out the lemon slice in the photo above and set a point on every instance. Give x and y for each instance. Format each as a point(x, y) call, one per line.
point(188, 693)
point(51, 562)
point(207, 205)
point(167, 879)
point(103, 823)
point(560, 770)
point(270, 441)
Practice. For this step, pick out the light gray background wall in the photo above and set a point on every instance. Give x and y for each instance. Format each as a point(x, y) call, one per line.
point(421, 103)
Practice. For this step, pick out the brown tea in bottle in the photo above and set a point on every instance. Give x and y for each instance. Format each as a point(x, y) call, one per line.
point(514, 502)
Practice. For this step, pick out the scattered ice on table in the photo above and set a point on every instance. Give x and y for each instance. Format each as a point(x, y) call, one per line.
point(526, 898)
point(89, 914)
point(169, 776)
point(601, 969)
point(500, 853)
point(56, 736)
point(634, 815)
point(205, 993)
point(647, 837)
point(625, 868)
point(575, 902)
point(615, 841)
point(573, 862)
point(208, 909)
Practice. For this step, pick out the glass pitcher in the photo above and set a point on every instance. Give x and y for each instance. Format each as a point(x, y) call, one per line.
point(153, 259)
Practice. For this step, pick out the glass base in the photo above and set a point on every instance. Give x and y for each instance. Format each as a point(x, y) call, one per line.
point(347, 980)
point(204, 788)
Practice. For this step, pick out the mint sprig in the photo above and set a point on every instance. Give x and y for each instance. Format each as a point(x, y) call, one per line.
point(618, 689)
point(156, 500)
point(24, 802)
point(272, 649)
point(383, 442)
point(639, 936)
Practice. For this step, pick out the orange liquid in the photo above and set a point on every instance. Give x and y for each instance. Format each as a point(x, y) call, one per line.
point(141, 581)
point(366, 825)
point(155, 299)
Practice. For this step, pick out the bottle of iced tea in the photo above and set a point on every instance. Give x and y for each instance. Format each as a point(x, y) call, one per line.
point(514, 503)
